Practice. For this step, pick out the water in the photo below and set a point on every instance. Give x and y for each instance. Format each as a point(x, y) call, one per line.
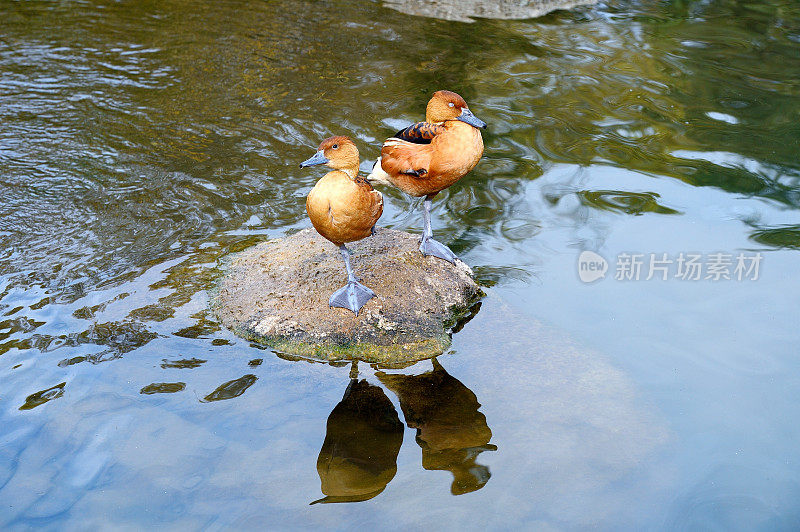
point(140, 143)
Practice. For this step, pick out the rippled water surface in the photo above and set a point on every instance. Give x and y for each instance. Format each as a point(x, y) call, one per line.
point(141, 142)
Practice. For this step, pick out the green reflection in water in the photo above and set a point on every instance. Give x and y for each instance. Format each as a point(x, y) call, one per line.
point(231, 389)
point(40, 398)
point(779, 237)
point(625, 202)
point(163, 387)
point(188, 363)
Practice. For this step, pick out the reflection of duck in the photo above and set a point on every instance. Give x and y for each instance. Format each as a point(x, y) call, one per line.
point(343, 207)
point(450, 429)
point(427, 157)
point(363, 438)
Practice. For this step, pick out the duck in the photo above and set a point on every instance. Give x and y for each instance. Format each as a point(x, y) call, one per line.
point(343, 207)
point(428, 157)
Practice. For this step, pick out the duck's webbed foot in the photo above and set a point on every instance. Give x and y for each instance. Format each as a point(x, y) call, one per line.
point(429, 246)
point(353, 296)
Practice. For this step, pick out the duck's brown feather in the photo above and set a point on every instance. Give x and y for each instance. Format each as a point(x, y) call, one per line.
point(425, 169)
point(342, 209)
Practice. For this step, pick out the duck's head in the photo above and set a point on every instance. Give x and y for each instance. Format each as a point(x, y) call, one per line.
point(338, 153)
point(447, 105)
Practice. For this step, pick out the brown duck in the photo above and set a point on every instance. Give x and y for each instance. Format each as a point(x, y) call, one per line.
point(343, 207)
point(427, 157)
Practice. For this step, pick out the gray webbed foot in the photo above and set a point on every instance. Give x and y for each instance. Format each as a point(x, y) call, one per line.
point(353, 296)
point(430, 246)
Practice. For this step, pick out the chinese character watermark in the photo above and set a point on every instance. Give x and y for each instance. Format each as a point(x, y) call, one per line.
point(716, 266)
point(689, 266)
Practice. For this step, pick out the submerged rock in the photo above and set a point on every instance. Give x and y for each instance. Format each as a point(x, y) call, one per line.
point(276, 294)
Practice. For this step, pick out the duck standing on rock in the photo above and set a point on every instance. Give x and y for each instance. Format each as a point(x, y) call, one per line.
point(427, 157)
point(343, 207)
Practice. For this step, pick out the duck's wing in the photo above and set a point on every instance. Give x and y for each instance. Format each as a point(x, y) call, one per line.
point(408, 151)
point(373, 200)
point(419, 133)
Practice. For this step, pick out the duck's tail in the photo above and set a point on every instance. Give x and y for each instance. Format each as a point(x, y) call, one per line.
point(378, 175)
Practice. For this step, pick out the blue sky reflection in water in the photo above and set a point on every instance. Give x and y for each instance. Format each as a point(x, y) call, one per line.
point(143, 142)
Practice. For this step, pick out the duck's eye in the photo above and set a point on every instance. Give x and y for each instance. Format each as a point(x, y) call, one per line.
point(451, 104)
point(335, 146)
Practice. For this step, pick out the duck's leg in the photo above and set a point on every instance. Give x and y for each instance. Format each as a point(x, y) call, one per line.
point(429, 246)
point(354, 295)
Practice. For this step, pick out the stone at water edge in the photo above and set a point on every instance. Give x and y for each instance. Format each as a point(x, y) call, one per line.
point(465, 10)
point(276, 294)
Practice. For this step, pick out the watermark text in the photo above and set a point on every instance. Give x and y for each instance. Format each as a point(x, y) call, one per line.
point(717, 266)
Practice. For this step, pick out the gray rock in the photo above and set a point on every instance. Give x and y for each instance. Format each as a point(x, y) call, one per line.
point(466, 10)
point(276, 294)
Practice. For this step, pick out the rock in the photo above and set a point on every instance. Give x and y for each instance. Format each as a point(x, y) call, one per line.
point(276, 294)
point(465, 10)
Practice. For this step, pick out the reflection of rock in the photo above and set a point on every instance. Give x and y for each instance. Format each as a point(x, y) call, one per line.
point(363, 438)
point(463, 10)
point(573, 429)
point(450, 429)
point(277, 294)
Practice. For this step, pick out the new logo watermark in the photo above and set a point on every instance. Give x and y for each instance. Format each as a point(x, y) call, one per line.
point(663, 266)
point(591, 266)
